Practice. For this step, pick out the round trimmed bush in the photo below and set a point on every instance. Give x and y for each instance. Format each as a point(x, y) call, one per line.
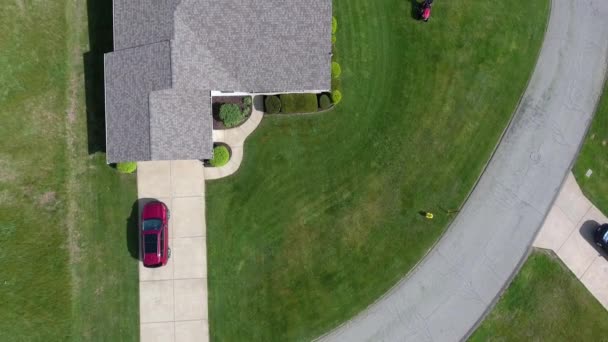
point(334, 25)
point(324, 102)
point(336, 96)
point(247, 101)
point(272, 104)
point(221, 156)
point(336, 70)
point(126, 167)
point(231, 114)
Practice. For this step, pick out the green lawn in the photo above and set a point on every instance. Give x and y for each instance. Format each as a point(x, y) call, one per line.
point(594, 156)
point(322, 217)
point(299, 103)
point(545, 302)
point(67, 272)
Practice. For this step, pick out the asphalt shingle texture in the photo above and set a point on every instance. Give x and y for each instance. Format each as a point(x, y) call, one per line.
point(131, 75)
point(253, 46)
point(141, 22)
point(180, 125)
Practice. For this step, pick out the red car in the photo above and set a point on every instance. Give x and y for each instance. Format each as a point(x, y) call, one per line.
point(155, 234)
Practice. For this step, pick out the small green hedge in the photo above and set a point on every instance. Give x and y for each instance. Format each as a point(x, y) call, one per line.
point(334, 25)
point(324, 102)
point(126, 167)
point(336, 96)
point(247, 101)
point(272, 104)
point(231, 114)
point(336, 70)
point(221, 156)
point(299, 103)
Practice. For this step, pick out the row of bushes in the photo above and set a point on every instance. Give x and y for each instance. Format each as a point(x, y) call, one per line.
point(297, 103)
point(336, 70)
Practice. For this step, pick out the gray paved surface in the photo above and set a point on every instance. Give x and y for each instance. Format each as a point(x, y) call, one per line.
point(449, 291)
point(173, 298)
point(568, 231)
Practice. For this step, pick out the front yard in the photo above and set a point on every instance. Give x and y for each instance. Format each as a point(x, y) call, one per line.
point(322, 217)
point(545, 302)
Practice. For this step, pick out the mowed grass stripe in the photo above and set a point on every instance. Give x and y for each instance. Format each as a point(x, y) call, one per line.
point(322, 217)
point(54, 288)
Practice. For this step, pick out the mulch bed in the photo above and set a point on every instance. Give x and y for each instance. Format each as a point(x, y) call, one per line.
point(218, 101)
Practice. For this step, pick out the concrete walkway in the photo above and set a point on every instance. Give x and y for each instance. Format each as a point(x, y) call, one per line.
point(173, 298)
point(568, 231)
point(235, 138)
point(457, 283)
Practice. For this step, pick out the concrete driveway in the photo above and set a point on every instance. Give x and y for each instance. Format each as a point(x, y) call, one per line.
point(568, 231)
point(173, 298)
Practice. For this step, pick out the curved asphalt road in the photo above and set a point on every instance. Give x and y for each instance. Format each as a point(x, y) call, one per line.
point(451, 289)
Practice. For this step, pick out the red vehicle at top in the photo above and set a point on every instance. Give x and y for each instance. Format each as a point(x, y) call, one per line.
point(155, 234)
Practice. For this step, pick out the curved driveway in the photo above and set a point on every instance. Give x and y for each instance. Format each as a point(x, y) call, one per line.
point(444, 297)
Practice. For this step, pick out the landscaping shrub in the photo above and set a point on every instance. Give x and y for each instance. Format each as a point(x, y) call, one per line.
point(324, 101)
point(126, 167)
point(231, 114)
point(221, 156)
point(336, 70)
point(247, 101)
point(336, 96)
point(299, 103)
point(334, 25)
point(272, 104)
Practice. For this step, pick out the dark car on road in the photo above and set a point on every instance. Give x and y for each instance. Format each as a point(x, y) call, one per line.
point(600, 236)
point(155, 234)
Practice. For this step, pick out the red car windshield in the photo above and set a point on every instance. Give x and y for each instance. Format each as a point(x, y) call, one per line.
point(151, 243)
point(152, 224)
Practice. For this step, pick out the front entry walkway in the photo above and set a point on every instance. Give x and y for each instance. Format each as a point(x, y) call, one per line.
point(568, 231)
point(173, 298)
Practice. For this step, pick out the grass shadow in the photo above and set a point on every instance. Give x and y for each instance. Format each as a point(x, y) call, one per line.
point(99, 15)
point(415, 9)
point(132, 230)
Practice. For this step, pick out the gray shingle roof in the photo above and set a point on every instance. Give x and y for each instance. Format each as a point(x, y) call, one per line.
point(131, 75)
point(140, 22)
point(253, 45)
point(180, 125)
point(256, 46)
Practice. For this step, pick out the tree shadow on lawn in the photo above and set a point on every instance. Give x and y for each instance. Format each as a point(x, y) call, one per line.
point(99, 14)
point(415, 9)
point(587, 231)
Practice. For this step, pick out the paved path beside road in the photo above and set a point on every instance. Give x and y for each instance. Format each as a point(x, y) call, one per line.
point(458, 282)
point(568, 231)
point(173, 298)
